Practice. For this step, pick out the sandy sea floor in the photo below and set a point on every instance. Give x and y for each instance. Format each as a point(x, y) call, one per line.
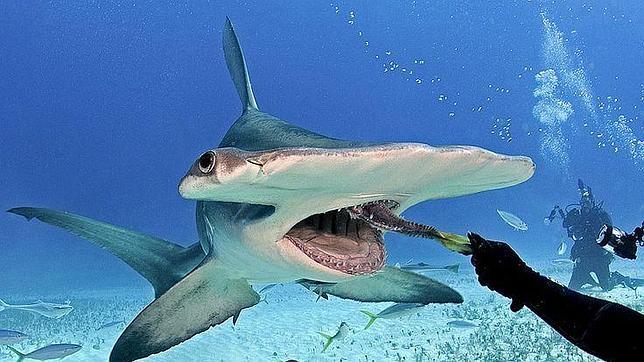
point(285, 327)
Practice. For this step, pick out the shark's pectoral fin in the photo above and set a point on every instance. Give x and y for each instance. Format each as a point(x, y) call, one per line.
point(392, 285)
point(199, 301)
point(159, 261)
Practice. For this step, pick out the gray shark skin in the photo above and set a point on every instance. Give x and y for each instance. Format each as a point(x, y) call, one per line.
point(258, 195)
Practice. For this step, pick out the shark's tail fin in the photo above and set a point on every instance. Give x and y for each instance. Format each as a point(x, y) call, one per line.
point(372, 318)
point(159, 261)
point(329, 340)
point(453, 268)
point(3, 305)
point(21, 356)
point(237, 66)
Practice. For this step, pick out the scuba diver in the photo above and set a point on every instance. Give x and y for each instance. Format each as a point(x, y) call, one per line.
point(583, 222)
point(604, 329)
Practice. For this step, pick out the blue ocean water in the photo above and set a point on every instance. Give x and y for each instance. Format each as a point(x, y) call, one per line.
point(104, 107)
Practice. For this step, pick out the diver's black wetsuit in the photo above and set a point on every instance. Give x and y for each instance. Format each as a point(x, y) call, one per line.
point(583, 225)
point(604, 329)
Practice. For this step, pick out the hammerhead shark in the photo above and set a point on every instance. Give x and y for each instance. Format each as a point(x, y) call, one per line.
point(276, 203)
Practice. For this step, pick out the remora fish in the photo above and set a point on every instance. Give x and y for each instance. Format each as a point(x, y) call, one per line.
point(53, 351)
point(266, 189)
point(395, 311)
point(461, 323)
point(562, 248)
point(342, 332)
point(422, 267)
point(49, 310)
point(512, 220)
point(11, 337)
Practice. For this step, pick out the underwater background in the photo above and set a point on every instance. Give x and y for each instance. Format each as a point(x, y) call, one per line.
point(105, 105)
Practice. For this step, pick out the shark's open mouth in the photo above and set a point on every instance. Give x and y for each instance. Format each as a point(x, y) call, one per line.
point(341, 242)
point(350, 239)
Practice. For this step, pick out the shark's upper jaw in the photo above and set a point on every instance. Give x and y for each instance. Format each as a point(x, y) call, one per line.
point(307, 186)
point(337, 241)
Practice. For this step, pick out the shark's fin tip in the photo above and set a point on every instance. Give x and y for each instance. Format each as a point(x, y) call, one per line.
point(237, 66)
point(26, 212)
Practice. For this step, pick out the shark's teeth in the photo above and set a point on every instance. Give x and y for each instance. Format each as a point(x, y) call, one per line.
point(345, 223)
point(368, 264)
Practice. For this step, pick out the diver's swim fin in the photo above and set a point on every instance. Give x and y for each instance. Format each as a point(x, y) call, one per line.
point(391, 285)
point(159, 261)
point(199, 301)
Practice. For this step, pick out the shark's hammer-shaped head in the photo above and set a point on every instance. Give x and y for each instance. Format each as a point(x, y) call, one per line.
point(311, 180)
point(311, 189)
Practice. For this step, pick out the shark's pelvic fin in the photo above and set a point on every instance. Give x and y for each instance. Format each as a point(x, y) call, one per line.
point(199, 301)
point(392, 285)
point(237, 66)
point(159, 261)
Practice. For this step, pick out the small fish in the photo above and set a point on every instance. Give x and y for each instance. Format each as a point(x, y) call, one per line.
point(562, 261)
point(110, 324)
point(423, 268)
point(315, 287)
point(512, 220)
point(53, 351)
point(562, 248)
point(11, 337)
point(49, 310)
point(342, 332)
point(461, 323)
point(395, 311)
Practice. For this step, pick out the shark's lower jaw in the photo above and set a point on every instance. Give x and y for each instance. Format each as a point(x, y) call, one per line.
point(339, 242)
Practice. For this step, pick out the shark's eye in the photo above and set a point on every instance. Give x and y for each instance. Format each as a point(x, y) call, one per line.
point(207, 162)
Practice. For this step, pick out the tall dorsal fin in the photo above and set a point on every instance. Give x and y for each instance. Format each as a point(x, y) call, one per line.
point(237, 66)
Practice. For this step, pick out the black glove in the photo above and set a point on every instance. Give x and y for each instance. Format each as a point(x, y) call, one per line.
point(501, 269)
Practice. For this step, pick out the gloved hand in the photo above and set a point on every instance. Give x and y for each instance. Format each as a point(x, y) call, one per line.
point(501, 270)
